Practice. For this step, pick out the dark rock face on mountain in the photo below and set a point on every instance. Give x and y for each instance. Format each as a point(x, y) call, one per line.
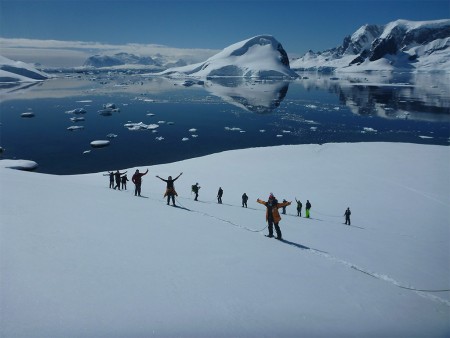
point(423, 45)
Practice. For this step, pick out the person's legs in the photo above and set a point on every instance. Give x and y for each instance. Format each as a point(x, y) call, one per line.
point(278, 230)
point(270, 229)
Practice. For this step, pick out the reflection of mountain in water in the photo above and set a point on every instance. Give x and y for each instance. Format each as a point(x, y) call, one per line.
point(406, 95)
point(256, 96)
point(16, 87)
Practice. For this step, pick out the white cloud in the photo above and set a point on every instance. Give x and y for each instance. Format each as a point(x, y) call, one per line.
point(55, 53)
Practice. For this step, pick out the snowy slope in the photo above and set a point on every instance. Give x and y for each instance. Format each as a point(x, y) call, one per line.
point(261, 57)
point(401, 44)
point(17, 71)
point(80, 259)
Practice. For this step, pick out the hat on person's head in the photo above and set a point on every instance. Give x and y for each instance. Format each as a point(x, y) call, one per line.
point(271, 196)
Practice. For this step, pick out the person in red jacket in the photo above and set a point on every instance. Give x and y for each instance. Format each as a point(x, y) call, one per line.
point(137, 180)
point(272, 215)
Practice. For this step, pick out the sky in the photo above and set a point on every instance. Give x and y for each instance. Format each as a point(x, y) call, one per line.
point(299, 25)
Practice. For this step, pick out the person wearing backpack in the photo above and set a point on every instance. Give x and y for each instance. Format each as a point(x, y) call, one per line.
point(299, 207)
point(195, 189)
point(347, 216)
point(308, 206)
point(244, 200)
point(219, 195)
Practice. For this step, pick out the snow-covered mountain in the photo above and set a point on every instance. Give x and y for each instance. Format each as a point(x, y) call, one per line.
point(17, 71)
point(128, 60)
point(260, 57)
point(401, 44)
point(119, 59)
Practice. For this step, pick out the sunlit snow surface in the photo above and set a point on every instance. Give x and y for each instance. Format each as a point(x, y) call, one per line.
point(79, 259)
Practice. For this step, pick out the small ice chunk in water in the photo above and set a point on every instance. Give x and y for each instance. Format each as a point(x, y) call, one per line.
point(74, 128)
point(99, 143)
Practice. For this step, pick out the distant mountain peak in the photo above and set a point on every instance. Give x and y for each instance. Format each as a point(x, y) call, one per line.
point(119, 59)
point(400, 44)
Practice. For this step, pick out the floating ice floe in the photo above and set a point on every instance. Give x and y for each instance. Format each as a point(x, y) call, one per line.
point(369, 130)
point(313, 128)
point(27, 114)
point(311, 106)
point(99, 143)
point(159, 138)
point(286, 131)
point(76, 111)
point(110, 106)
point(86, 152)
point(425, 137)
point(262, 130)
point(74, 128)
point(77, 119)
point(194, 135)
point(19, 164)
point(140, 126)
point(192, 130)
point(184, 139)
point(111, 135)
point(233, 129)
point(279, 135)
point(84, 101)
point(161, 122)
point(150, 114)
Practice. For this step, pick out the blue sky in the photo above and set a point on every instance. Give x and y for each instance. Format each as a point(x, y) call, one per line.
point(299, 25)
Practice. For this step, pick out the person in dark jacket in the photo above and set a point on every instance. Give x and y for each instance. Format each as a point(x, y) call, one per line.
point(284, 207)
point(124, 180)
point(272, 215)
point(137, 180)
point(111, 179)
point(170, 189)
point(195, 189)
point(299, 207)
point(244, 200)
point(307, 208)
point(347, 216)
point(117, 175)
point(219, 195)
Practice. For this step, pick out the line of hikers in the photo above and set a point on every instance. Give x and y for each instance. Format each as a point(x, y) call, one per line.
point(272, 215)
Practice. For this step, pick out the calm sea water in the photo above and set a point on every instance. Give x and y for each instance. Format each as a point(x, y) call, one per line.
point(193, 119)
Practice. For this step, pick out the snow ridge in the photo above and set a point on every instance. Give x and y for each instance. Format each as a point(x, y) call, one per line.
point(17, 71)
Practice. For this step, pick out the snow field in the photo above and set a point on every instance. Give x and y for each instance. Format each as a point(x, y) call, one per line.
point(80, 259)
